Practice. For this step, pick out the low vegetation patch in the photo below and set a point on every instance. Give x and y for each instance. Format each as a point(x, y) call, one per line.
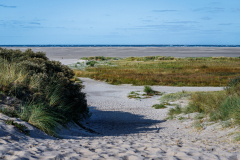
point(20, 127)
point(167, 71)
point(134, 95)
point(148, 93)
point(174, 111)
point(99, 58)
point(223, 106)
point(91, 63)
point(10, 112)
point(159, 106)
point(176, 96)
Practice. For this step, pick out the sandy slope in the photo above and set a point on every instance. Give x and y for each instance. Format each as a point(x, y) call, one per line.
point(128, 129)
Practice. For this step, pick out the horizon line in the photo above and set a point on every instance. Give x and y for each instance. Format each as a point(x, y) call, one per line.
point(117, 45)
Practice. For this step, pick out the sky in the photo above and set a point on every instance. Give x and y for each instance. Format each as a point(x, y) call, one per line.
point(183, 22)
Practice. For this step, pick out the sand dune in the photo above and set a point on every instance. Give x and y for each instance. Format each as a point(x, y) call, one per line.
point(128, 129)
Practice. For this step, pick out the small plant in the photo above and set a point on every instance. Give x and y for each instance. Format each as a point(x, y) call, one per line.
point(133, 95)
point(20, 127)
point(159, 106)
point(132, 92)
point(168, 104)
point(181, 118)
point(10, 112)
point(175, 111)
point(198, 125)
point(176, 96)
point(226, 124)
point(199, 116)
point(148, 90)
point(91, 63)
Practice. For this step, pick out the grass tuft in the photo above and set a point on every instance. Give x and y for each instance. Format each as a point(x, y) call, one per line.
point(175, 111)
point(20, 127)
point(10, 112)
point(176, 96)
point(159, 106)
point(148, 90)
point(198, 125)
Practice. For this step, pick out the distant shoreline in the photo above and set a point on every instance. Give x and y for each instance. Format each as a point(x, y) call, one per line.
point(150, 45)
point(56, 53)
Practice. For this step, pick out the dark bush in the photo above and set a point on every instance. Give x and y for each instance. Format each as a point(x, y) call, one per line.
point(148, 90)
point(91, 63)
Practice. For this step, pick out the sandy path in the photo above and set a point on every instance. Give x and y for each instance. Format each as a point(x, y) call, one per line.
point(129, 129)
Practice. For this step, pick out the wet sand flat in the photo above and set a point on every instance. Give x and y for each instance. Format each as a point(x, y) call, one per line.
point(78, 52)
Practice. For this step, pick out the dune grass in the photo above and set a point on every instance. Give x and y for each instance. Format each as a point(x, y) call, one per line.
point(40, 116)
point(168, 71)
point(10, 75)
point(176, 96)
point(51, 98)
point(214, 106)
point(20, 127)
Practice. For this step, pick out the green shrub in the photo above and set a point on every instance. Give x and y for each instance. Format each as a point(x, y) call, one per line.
point(148, 90)
point(91, 63)
point(32, 77)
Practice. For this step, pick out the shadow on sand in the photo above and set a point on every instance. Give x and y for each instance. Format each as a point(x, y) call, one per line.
point(118, 123)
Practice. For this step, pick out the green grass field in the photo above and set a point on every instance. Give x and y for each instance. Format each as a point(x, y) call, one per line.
point(168, 71)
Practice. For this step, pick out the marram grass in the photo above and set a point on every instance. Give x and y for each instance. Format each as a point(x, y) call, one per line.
point(223, 106)
point(10, 75)
point(48, 122)
point(50, 97)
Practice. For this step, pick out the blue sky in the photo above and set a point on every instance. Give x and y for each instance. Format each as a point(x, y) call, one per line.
point(120, 22)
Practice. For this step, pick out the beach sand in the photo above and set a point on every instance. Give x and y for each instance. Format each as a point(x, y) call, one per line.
point(128, 129)
point(78, 52)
